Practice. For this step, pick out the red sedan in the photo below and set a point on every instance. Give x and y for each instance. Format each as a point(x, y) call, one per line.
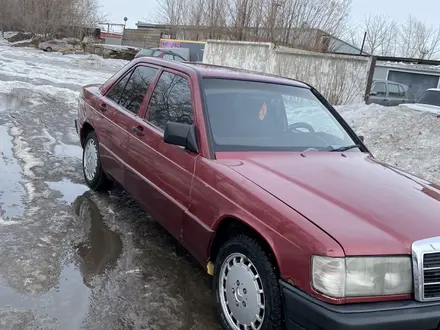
point(269, 188)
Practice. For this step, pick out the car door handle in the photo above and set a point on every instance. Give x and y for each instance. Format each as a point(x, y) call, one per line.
point(138, 131)
point(103, 107)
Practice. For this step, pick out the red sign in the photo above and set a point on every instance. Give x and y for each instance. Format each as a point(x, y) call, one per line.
point(110, 35)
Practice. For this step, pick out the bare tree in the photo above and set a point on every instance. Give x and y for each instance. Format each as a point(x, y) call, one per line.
point(418, 40)
point(382, 34)
point(48, 16)
point(286, 22)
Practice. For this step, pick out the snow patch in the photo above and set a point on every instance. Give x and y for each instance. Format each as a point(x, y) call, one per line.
point(23, 153)
point(36, 93)
point(4, 222)
point(404, 138)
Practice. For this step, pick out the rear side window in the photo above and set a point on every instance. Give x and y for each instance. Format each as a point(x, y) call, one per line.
point(393, 90)
point(171, 101)
point(134, 88)
point(146, 52)
point(380, 88)
point(168, 57)
point(157, 53)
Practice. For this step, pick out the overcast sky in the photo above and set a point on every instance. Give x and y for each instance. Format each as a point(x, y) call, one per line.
point(426, 10)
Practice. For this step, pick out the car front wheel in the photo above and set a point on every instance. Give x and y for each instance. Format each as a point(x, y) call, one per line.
point(93, 173)
point(246, 286)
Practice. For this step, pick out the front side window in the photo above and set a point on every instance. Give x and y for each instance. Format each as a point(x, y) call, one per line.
point(380, 88)
point(256, 116)
point(134, 88)
point(171, 101)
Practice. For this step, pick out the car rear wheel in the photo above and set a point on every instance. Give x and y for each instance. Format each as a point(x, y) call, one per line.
point(93, 173)
point(48, 49)
point(246, 287)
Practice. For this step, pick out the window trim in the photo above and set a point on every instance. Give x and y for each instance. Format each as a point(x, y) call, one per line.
point(146, 117)
point(148, 93)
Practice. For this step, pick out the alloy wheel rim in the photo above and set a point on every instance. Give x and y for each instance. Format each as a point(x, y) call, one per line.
point(241, 293)
point(90, 159)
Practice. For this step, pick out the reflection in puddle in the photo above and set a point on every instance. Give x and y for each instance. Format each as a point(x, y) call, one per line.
point(102, 246)
point(68, 150)
point(68, 189)
point(68, 302)
point(11, 191)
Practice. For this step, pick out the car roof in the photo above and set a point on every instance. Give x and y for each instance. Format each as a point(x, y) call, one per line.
point(434, 89)
point(216, 71)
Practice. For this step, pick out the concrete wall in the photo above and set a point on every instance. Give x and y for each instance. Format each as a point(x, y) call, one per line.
point(341, 79)
point(141, 38)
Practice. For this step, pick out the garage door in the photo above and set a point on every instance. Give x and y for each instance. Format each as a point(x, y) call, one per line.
point(418, 83)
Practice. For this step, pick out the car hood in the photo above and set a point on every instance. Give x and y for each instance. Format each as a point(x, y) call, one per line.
point(422, 107)
point(368, 207)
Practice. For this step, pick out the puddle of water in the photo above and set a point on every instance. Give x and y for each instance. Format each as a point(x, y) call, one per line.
point(101, 247)
point(68, 150)
point(11, 191)
point(68, 303)
point(68, 189)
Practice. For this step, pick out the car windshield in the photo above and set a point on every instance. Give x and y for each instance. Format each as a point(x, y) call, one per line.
point(256, 116)
point(430, 98)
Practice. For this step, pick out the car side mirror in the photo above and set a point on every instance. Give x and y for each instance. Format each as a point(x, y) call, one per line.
point(183, 135)
point(373, 93)
point(362, 138)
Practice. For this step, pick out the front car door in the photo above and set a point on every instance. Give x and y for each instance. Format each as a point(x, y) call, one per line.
point(379, 93)
point(164, 172)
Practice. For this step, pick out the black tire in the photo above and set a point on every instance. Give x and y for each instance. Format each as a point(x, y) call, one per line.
point(99, 181)
point(48, 49)
point(252, 249)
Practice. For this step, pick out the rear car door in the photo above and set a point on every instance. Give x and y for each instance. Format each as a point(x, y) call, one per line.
point(120, 105)
point(160, 174)
point(395, 97)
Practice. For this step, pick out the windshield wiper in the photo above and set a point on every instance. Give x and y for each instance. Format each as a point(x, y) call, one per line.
point(346, 148)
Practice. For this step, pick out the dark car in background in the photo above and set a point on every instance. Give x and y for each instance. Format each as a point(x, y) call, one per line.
point(164, 53)
point(390, 93)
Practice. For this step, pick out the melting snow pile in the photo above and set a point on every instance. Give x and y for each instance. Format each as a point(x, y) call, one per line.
point(407, 139)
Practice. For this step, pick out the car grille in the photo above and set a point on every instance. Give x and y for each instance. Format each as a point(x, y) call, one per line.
point(431, 275)
point(426, 269)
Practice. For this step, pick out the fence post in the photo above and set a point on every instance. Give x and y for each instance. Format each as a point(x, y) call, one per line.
point(370, 77)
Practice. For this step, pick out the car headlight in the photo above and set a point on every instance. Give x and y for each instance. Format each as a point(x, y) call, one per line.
point(362, 276)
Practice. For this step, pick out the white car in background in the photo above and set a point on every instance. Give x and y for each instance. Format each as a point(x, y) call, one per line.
point(428, 102)
point(54, 45)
